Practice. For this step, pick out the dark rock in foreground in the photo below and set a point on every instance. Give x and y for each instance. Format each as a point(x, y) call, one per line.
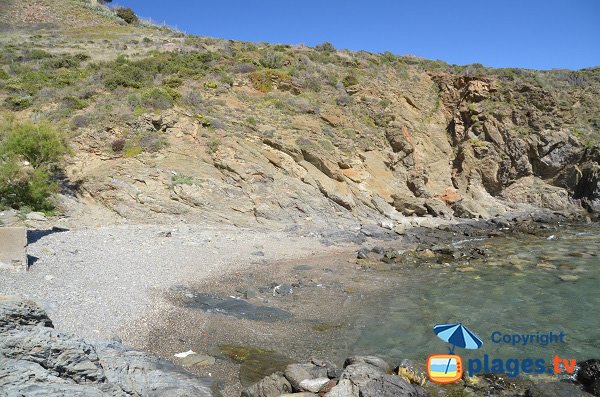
point(37, 360)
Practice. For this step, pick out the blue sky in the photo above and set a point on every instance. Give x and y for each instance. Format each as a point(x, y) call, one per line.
point(533, 34)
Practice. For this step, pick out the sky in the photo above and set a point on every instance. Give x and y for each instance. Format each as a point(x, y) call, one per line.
point(535, 34)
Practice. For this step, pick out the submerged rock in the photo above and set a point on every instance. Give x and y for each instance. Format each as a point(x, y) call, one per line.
point(234, 307)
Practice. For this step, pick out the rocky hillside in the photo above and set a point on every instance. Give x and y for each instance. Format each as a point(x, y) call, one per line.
point(165, 127)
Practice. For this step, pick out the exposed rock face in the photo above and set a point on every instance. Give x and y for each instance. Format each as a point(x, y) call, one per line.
point(490, 147)
point(37, 360)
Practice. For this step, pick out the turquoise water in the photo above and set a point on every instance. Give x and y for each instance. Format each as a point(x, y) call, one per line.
point(517, 291)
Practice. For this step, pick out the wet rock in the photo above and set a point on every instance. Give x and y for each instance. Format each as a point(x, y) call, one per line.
point(271, 386)
point(588, 375)
point(197, 360)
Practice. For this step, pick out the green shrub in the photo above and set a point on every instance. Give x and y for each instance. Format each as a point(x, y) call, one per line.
point(25, 187)
point(159, 98)
point(262, 80)
point(64, 61)
point(127, 15)
point(127, 75)
point(18, 102)
point(271, 60)
point(39, 144)
point(173, 82)
point(350, 80)
point(133, 151)
point(213, 145)
point(325, 47)
point(29, 185)
point(182, 180)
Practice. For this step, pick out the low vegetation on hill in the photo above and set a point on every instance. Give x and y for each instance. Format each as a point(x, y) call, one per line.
point(320, 102)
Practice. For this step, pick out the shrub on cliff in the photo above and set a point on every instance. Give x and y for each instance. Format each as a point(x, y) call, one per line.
point(29, 153)
point(127, 15)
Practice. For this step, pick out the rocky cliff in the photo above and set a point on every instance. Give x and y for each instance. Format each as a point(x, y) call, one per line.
point(169, 127)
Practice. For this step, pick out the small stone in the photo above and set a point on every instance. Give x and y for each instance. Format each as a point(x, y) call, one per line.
point(568, 277)
point(197, 360)
point(546, 265)
point(283, 289)
point(36, 216)
point(250, 293)
point(399, 229)
point(378, 250)
point(314, 385)
point(363, 253)
point(426, 253)
point(387, 224)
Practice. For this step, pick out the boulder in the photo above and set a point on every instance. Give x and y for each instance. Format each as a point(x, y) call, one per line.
point(371, 360)
point(273, 385)
point(437, 208)
point(391, 386)
point(534, 191)
point(409, 205)
point(298, 373)
point(588, 375)
point(361, 373)
point(467, 208)
point(344, 388)
point(313, 385)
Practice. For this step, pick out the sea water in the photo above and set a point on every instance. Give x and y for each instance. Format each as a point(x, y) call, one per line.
point(517, 291)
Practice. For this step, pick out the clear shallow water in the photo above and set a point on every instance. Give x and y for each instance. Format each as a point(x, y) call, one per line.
point(511, 293)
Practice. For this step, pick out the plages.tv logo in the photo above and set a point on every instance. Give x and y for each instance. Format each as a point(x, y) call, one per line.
point(448, 368)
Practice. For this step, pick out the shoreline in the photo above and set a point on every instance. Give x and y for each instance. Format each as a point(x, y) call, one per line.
point(163, 325)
